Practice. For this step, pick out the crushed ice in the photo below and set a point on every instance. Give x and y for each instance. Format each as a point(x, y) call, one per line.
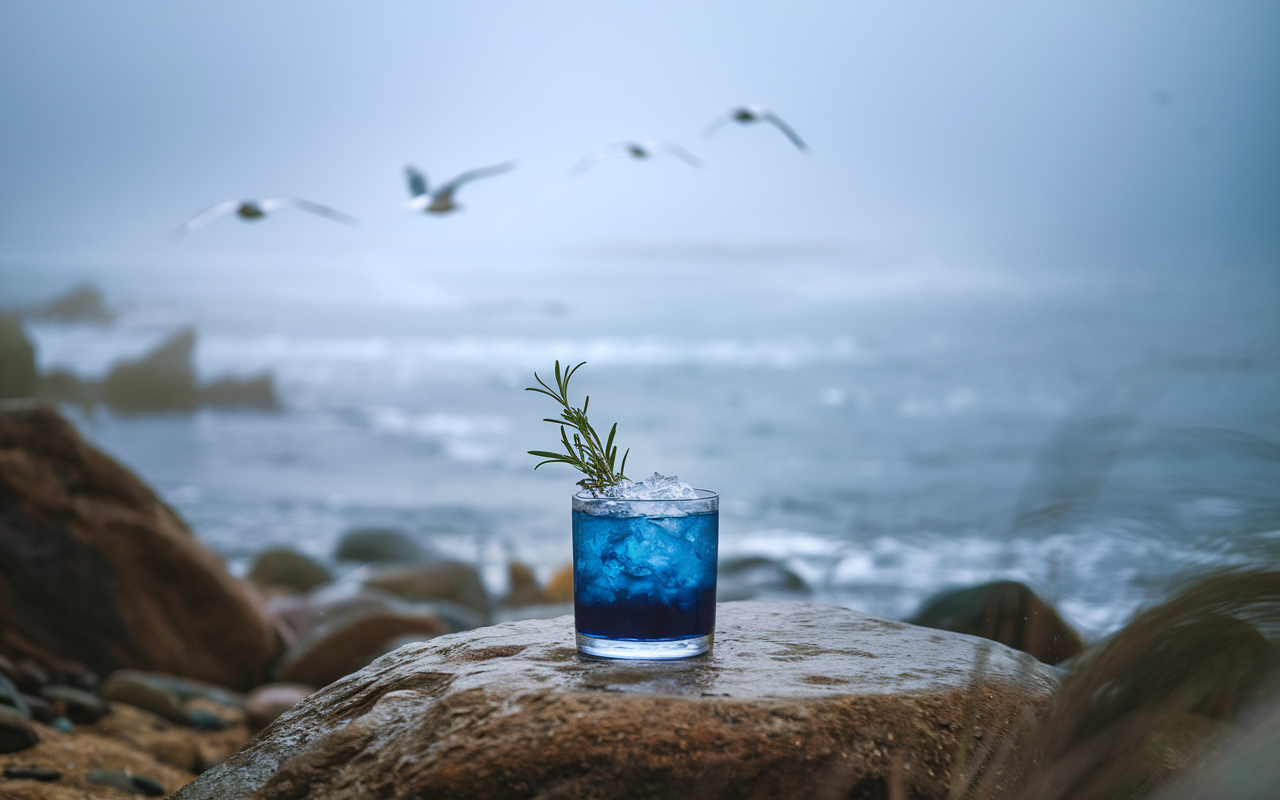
point(654, 487)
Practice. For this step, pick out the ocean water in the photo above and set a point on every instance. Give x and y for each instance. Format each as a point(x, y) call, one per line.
point(883, 427)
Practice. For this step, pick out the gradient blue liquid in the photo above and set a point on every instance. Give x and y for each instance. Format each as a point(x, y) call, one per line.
point(645, 578)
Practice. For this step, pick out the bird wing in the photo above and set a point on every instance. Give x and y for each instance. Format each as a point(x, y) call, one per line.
point(718, 121)
point(285, 201)
point(785, 128)
point(677, 151)
point(474, 174)
point(417, 181)
point(205, 217)
point(611, 149)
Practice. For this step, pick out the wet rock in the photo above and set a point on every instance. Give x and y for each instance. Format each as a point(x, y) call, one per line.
point(32, 774)
point(267, 702)
point(147, 594)
point(125, 781)
point(16, 731)
point(342, 643)
point(379, 546)
point(76, 705)
point(445, 580)
point(135, 690)
point(795, 700)
point(17, 361)
point(63, 724)
point(162, 380)
point(257, 393)
point(750, 576)
point(184, 689)
point(81, 303)
point(284, 567)
point(1007, 612)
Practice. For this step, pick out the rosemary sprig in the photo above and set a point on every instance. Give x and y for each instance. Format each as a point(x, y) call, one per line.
point(585, 452)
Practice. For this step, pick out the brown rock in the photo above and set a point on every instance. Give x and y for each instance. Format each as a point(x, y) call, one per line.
point(269, 701)
point(96, 569)
point(795, 700)
point(1007, 612)
point(342, 645)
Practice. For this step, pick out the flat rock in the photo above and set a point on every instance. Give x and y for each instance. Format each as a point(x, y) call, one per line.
point(98, 573)
point(794, 700)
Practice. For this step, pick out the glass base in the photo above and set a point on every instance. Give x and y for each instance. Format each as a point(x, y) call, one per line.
point(653, 649)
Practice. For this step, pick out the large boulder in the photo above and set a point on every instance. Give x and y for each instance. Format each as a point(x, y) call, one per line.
point(162, 380)
point(795, 700)
point(17, 361)
point(97, 572)
point(1007, 612)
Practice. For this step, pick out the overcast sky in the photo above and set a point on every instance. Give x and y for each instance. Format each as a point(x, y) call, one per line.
point(1084, 126)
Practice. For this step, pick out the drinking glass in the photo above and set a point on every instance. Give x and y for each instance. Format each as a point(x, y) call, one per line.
point(644, 575)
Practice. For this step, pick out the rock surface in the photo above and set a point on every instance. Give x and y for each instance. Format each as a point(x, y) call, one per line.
point(795, 700)
point(96, 571)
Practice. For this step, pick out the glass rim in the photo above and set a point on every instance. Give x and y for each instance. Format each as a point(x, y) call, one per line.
point(703, 496)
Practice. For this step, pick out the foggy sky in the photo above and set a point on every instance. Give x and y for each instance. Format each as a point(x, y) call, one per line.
point(1085, 127)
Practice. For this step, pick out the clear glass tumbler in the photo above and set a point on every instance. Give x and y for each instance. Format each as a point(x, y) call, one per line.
point(644, 575)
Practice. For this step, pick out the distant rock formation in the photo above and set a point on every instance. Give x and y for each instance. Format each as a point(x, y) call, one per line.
point(162, 380)
point(82, 303)
point(17, 361)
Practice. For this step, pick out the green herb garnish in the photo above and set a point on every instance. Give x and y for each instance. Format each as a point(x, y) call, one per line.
point(585, 453)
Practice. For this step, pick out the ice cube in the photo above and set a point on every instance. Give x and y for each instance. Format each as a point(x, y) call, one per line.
point(654, 487)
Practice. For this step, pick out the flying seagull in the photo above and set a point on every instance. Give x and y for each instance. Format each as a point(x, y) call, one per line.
point(637, 150)
point(746, 115)
point(251, 210)
point(441, 200)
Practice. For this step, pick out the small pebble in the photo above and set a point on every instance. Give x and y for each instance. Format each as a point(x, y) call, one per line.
point(63, 724)
point(125, 782)
point(32, 774)
point(205, 720)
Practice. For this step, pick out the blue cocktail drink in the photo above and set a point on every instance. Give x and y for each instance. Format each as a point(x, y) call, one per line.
point(644, 575)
